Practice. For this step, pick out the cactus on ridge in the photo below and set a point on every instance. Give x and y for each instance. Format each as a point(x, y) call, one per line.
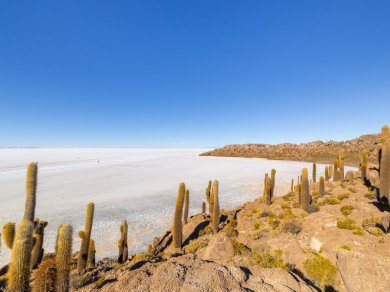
point(326, 173)
point(265, 187)
point(268, 197)
point(216, 211)
point(38, 251)
point(292, 185)
point(91, 254)
point(384, 175)
point(305, 195)
point(335, 170)
point(122, 244)
point(9, 234)
point(31, 191)
point(363, 170)
point(321, 191)
point(341, 166)
point(19, 267)
point(209, 197)
point(63, 257)
point(314, 174)
point(273, 172)
point(85, 237)
point(186, 206)
point(330, 168)
point(177, 229)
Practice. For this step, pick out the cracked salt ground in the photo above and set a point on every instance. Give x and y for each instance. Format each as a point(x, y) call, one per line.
point(139, 185)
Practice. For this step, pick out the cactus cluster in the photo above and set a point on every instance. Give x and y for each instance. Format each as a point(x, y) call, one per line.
point(85, 236)
point(122, 243)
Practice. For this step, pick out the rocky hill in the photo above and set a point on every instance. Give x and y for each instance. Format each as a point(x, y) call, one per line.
point(323, 152)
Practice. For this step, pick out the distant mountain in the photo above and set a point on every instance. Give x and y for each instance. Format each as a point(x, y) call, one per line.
point(318, 151)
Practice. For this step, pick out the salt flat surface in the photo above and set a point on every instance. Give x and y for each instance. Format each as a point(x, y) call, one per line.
point(138, 185)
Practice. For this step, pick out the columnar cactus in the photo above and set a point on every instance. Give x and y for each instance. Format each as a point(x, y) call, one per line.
point(91, 254)
point(384, 175)
point(37, 252)
point(330, 171)
point(265, 187)
point(341, 167)
point(19, 268)
point(31, 191)
point(314, 175)
point(305, 195)
point(364, 156)
point(326, 173)
point(209, 197)
point(292, 185)
point(122, 244)
point(85, 237)
point(63, 257)
point(363, 170)
point(321, 191)
point(203, 207)
point(268, 196)
point(177, 229)
point(273, 172)
point(186, 206)
point(9, 234)
point(335, 172)
point(46, 276)
point(299, 193)
point(216, 211)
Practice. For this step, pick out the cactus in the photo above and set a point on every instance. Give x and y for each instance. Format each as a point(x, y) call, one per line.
point(86, 235)
point(63, 257)
point(273, 172)
point(9, 234)
point(45, 276)
point(384, 175)
point(326, 173)
point(305, 195)
point(37, 252)
point(364, 156)
point(341, 166)
point(268, 197)
point(209, 197)
point(314, 175)
point(321, 190)
point(335, 168)
point(177, 229)
point(363, 170)
point(330, 171)
point(19, 268)
point(31, 190)
point(350, 177)
point(186, 206)
point(91, 254)
point(216, 211)
point(265, 194)
point(292, 185)
point(203, 207)
point(299, 193)
point(122, 244)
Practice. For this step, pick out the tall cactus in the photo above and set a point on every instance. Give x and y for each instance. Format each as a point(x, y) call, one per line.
point(37, 252)
point(326, 173)
point(85, 237)
point(19, 268)
point(364, 156)
point(305, 195)
point(209, 197)
point(268, 196)
point(186, 206)
point(335, 172)
point(203, 207)
point(216, 211)
point(63, 257)
point(363, 170)
point(177, 229)
point(384, 175)
point(330, 171)
point(122, 244)
point(273, 172)
point(91, 254)
point(31, 191)
point(321, 191)
point(292, 185)
point(341, 166)
point(265, 193)
point(314, 174)
point(9, 234)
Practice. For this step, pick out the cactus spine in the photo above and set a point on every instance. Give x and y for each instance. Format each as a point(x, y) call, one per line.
point(19, 268)
point(321, 191)
point(314, 178)
point(9, 234)
point(31, 191)
point(123, 248)
point(203, 207)
point(216, 211)
point(63, 257)
point(37, 252)
point(91, 254)
point(384, 175)
point(85, 237)
point(273, 172)
point(186, 206)
point(177, 230)
point(305, 195)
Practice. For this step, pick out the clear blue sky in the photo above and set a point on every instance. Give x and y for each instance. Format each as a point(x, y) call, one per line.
point(191, 73)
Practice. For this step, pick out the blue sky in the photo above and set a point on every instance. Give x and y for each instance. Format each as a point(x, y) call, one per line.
point(191, 73)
